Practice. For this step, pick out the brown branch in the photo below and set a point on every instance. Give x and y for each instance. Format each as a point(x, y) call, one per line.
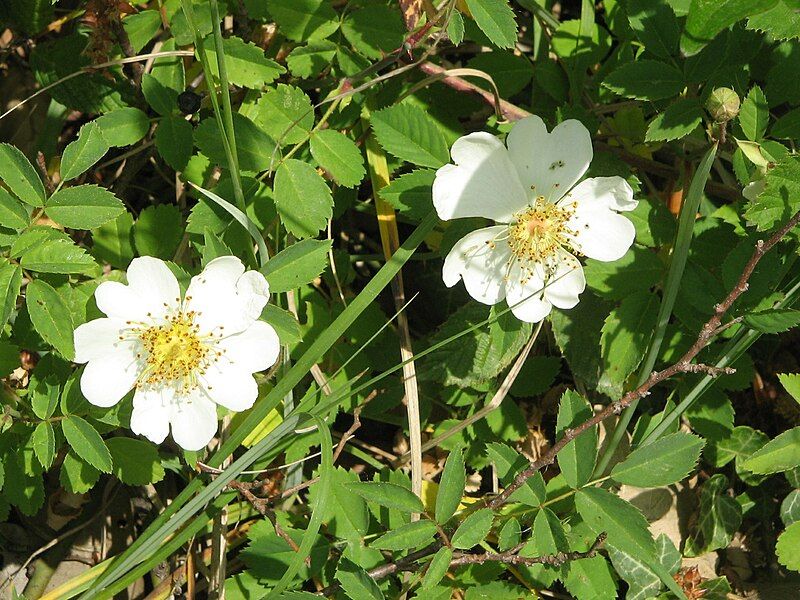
point(511, 557)
point(684, 365)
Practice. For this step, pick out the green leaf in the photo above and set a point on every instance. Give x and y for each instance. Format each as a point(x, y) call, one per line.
point(174, 141)
point(510, 534)
point(254, 148)
point(511, 73)
point(44, 444)
point(776, 320)
point(20, 177)
point(76, 475)
point(84, 152)
point(591, 578)
point(787, 126)
point(50, 316)
point(387, 494)
point(135, 462)
point(780, 198)
point(781, 22)
point(356, 583)
point(9, 358)
point(339, 156)
point(302, 197)
point(645, 80)
point(141, 27)
point(625, 335)
point(168, 74)
point(302, 20)
point(406, 537)
point(455, 28)
point(84, 207)
point(49, 250)
point(790, 508)
point(410, 194)
point(754, 114)
point(664, 462)
point(310, 60)
point(638, 270)
point(496, 20)
point(284, 323)
point(788, 547)
point(12, 214)
point(437, 568)
point(509, 463)
point(10, 284)
point(245, 63)
point(285, 114)
point(296, 265)
point(451, 486)
point(642, 581)
point(706, 18)
point(548, 537)
point(123, 127)
point(791, 383)
point(677, 121)
point(374, 30)
point(656, 26)
point(87, 443)
point(577, 458)
point(780, 454)
point(161, 99)
point(158, 231)
point(719, 518)
point(473, 530)
point(625, 526)
point(407, 132)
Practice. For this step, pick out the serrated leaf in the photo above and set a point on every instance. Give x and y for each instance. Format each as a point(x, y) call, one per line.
point(780, 454)
point(677, 121)
point(406, 537)
point(356, 582)
point(642, 581)
point(77, 476)
point(84, 152)
point(44, 444)
point(84, 207)
point(473, 530)
point(509, 463)
point(788, 547)
point(645, 80)
point(451, 486)
point(387, 494)
point(577, 458)
point(496, 20)
point(302, 197)
point(285, 114)
point(296, 265)
point(591, 578)
point(411, 194)
point(437, 568)
point(374, 30)
point(87, 443)
point(787, 126)
point(56, 255)
point(548, 537)
point(339, 156)
point(302, 20)
point(638, 270)
point(10, 284)
point(254, 148)
point(656, 26)
point(310, 60)
point(719, 518)
point(510, 535)
point(158, 231)
point(754, 114)
point(781, 22)
point(455, 28)
point(12, 214)
point(135, 462)
point(174, 141)
point(776, 320)
point(664, 462)
point(123, 126)
point(706, 18)
point(408, 133)
point(284, 322)
point(780, 198)
point(625, 526)
point(791, 383)
point(245, 63)
point(50, 316)
point(20, 176)
point(790, 508)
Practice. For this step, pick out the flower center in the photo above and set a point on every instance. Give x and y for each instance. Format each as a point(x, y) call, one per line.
point(175, 352)
point(537, 232)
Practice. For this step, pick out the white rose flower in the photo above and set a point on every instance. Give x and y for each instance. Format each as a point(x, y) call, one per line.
point(529, 257)
point(183, 356)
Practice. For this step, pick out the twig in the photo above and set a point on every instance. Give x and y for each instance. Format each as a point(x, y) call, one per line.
point(511, 557)
point(684, 365)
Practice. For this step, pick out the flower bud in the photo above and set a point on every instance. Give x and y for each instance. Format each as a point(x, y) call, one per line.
point(723, 104)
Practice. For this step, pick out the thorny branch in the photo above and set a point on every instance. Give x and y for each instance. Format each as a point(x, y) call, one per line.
point(684, 365)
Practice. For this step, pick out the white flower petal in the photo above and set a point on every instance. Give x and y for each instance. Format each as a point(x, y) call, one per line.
point(97, 338)
point(549, 164)
point(121, 302)
point(255, 349)
point(481, 263)
point(525, 295)
point(482, 183)
point(230, 386)
point(567, 282)
point(107, 379)
point(600, 232)
point(253, 289)
point(152, 280)
point(194, 421)
point(152, 412)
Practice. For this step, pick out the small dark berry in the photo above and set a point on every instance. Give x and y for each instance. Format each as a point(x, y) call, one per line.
point(189, 102)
